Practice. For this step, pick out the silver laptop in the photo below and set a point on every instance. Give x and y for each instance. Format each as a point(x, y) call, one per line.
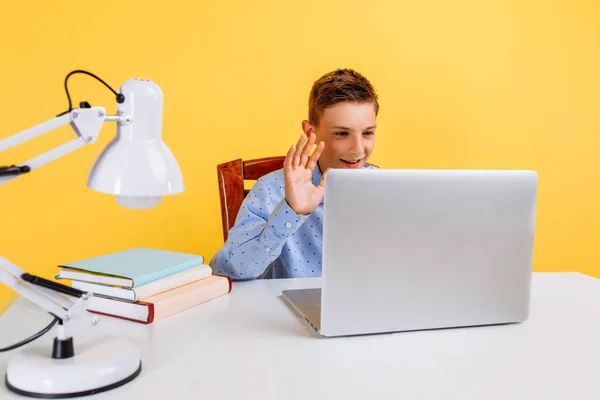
point(410, 250)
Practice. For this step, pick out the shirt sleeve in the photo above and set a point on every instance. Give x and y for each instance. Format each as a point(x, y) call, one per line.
point(258, 236)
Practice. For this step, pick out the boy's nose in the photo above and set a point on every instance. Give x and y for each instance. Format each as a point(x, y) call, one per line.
point(356, 147)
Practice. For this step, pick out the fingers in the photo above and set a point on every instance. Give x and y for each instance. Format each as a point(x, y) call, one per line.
point(298, 152)
point(312, 161)
point(298, 155)
point(307, 149)
point(287, 162)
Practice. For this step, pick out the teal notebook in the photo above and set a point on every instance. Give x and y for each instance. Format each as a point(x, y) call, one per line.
point(129, 268)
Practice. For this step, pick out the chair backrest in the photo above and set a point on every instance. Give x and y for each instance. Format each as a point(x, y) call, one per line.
point(231, 176)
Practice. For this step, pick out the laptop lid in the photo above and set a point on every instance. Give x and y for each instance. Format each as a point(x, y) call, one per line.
point(424, 249)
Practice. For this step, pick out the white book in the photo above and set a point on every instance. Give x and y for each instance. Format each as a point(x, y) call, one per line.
point(149, 289)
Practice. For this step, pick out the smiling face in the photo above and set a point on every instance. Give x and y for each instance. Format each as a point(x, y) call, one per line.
point(348, 131)
point(342, 108)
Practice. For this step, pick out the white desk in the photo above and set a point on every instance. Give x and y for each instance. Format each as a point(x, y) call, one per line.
point(250, 345)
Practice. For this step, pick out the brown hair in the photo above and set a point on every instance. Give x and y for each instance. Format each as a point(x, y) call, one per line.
point(336, 87)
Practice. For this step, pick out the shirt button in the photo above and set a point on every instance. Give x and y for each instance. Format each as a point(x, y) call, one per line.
point(288, 224)
point(267, 249)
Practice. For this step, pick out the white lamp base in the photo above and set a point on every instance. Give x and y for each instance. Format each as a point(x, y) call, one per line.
point(97, 369)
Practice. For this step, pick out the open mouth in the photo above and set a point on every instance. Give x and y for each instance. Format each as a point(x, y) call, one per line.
point(351, 163)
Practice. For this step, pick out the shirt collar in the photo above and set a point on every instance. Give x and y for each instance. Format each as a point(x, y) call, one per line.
point(316, 177)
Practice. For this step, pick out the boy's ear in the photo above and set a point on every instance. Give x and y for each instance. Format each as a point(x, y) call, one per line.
point(308, 128)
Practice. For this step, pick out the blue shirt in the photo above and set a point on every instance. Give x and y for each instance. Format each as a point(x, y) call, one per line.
point(269, 240)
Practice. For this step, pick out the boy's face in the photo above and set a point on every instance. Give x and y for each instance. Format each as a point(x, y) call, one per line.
point(348, 131)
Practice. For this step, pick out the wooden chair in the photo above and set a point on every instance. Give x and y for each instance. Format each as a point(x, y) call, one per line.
point(231, 177)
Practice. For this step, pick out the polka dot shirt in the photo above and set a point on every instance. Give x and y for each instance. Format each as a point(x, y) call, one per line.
point(269, 239)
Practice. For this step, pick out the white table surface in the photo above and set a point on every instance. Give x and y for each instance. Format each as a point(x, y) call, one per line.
point(250, 345)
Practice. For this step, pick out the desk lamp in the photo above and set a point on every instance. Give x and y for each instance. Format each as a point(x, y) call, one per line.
point(136, 167)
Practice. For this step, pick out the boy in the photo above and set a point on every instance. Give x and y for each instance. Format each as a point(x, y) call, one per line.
point(278, 230)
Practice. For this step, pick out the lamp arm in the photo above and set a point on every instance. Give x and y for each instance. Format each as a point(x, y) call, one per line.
point(72, 313)
point(86, 122)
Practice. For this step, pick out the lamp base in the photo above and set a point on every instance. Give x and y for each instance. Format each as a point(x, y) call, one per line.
point(98, 369)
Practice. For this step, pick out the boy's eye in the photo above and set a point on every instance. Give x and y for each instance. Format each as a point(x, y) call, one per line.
point(369, 133)
point(342, 133)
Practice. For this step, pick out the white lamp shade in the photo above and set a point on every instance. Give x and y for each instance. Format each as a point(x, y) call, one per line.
point(137, 166)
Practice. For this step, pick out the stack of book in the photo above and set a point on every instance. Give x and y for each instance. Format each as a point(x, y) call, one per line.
point(145, 285)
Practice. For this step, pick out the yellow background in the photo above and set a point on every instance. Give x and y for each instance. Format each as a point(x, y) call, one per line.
point(462, 84)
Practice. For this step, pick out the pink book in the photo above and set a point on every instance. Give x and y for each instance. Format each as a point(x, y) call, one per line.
point(164, 304)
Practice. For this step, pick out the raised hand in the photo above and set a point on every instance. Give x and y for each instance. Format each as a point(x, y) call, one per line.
point(300, 193)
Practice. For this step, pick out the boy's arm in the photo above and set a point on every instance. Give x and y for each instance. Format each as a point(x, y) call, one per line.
point(260, 231)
